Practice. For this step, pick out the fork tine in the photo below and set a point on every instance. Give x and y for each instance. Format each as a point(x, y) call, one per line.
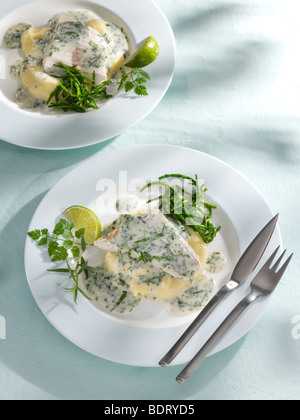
point(284, 267)
point(277, 263)
point(271, 259)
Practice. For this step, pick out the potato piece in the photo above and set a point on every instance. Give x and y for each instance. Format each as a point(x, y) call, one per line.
point(117, 63)
point(111, 262)
point(42, 85)
point(170, 287)
point(143, 290)
point(138, 289)
point(39, 84)
point(199, 246)
point(29, 38)
point(98, 25)
point(167, 289)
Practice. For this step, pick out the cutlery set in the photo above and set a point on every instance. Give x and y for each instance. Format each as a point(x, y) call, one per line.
point(263, 284)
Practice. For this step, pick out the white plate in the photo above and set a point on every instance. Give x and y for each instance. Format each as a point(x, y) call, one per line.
point(142, 338)
point(67, 131)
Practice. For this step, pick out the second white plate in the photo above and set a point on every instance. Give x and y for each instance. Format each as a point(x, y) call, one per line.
point(142, 338)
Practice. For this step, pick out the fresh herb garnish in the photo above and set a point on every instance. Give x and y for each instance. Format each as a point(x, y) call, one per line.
point(64, 245)
point(135, 80)
point(78, 92)
point(189, 207)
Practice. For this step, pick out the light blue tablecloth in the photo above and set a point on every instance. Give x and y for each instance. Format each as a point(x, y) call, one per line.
point(235, 95)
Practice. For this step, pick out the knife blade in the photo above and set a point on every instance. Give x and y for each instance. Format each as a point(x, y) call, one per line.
point(245, 266)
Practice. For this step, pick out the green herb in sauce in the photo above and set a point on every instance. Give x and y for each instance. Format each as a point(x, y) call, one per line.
point(216, 262)
point(111, 292)
point(194, 298)
point(12, 38)
point(26, 101)
point(127, 204)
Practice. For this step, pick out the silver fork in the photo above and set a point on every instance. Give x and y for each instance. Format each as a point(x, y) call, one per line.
point(264, 283)
point(244, 268)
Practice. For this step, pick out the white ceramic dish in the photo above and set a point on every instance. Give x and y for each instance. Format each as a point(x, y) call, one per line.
point(53, 131)
point(143, 337)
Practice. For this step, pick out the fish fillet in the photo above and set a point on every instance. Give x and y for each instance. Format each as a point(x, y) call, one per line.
point(150, 239)
point(81, 15)
point(75, 44)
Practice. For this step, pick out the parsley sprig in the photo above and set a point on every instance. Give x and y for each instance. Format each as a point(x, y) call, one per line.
point(64, 244)
point(188, 207)
point(135, 80)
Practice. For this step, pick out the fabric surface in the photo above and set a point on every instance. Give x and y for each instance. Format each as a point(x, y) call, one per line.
point(235, 95)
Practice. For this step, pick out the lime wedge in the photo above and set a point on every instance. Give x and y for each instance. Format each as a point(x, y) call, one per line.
point(146, 53)
point(83, 217)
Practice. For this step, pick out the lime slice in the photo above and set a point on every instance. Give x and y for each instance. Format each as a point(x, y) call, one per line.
point(83, 217)
point(146, 53)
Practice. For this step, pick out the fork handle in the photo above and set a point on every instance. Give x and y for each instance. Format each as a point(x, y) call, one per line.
point(191, 330)
point(215, 338)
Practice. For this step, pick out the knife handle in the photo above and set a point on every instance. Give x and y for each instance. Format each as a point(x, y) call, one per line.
point(215, 338)
point(191, 330)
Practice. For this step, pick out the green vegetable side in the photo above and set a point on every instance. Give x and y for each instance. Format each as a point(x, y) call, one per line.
point(77, 92)
point(187, 207)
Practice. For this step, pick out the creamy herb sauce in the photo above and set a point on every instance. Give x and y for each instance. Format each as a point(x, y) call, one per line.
point(216, 262)
point(26, 101)
point(112, 292)
point(80, 15)
point(194, 298)
point(15, 69)
point(127, 204)
point(12, 37)
point(69, 40)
